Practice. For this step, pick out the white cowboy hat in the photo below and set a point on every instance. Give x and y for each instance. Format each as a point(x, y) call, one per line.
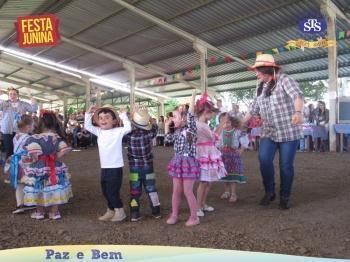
point(141, 119)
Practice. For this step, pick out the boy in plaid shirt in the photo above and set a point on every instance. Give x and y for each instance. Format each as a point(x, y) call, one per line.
point(141, 164)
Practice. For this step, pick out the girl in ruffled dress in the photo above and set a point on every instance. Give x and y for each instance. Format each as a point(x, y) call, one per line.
point(209, 157)
point(183, 167)
point(14, 164)
point(47, 183)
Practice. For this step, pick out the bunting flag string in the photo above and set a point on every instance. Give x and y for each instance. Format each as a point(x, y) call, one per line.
point(289, 46)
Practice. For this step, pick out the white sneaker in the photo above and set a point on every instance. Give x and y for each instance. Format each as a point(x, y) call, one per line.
point(119, 215)
point(200, 213)
point(107, 216)
point(208, 208)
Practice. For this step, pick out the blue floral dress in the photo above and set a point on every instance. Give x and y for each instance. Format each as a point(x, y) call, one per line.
point(46, 179)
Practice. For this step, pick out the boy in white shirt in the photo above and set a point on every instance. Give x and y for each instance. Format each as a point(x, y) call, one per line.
point(109, 140)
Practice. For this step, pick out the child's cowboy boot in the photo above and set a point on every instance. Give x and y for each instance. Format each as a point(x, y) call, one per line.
point(107, 216)
point(119, 215)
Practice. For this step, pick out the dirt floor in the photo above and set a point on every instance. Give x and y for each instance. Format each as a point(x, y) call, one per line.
point(317, 225)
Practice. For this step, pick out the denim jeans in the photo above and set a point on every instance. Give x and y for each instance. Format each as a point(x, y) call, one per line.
point(8, 143)
point(287, 151)
point(345, 142)
point(304, 143)
point(111, 182)
point(75, 137)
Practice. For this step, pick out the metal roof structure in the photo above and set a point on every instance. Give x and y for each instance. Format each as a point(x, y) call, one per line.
point(238, 27)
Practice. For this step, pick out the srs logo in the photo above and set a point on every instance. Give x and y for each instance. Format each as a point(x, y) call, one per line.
point(312, 25)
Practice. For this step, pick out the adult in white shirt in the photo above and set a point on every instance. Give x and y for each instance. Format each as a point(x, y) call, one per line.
point(12, 110)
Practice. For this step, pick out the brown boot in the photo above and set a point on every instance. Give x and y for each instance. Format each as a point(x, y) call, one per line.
point(119, 215)
point(107, 216)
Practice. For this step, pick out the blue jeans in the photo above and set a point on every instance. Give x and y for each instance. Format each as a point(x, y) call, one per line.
point(287, 151)
point(8, 143)
point(75, 137)
point(111, 182)
point(345, 142)
point(304, 143)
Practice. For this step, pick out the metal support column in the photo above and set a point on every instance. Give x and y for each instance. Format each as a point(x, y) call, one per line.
point(333, 75)
point(65, 108)
point(132, 82)
point(203, 52)
point(87, 94)
point(98, 95)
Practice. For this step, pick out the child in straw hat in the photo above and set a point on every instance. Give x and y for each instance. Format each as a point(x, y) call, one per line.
point(109, 140)
point(141, 163)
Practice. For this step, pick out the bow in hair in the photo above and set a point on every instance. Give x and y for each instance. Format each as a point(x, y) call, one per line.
point(46, 111)
point(203, 99)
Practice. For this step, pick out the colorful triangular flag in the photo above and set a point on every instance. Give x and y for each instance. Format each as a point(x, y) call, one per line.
point(341, 35)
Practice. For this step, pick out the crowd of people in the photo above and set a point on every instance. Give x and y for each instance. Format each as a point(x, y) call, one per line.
point(208, 144)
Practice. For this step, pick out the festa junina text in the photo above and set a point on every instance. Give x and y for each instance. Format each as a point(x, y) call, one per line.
point(94, 254)
point(37, 30)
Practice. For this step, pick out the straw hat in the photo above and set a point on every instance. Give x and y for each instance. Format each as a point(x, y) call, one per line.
point(110, 107)
point(264, 60)
point(141, 119)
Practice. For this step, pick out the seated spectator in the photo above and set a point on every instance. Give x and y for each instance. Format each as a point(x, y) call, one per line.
point(322, 119)
point(84, 138)
point(254, 124)
point(160, 135)
point(171, 128)
point(71, 131)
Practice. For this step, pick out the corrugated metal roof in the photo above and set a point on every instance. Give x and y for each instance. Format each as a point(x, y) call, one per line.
point(236, 26)
point(14, 8)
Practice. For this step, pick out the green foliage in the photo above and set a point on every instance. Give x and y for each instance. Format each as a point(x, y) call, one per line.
point(171, 105)
point(71, 110)
point(242, 96)
point(313, 91)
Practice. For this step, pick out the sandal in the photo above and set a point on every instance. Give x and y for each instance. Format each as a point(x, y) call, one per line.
point(225, 195)
point(171, 220)
point(37, 215)
point(191, 223)
point(233, 198)
point(55, 216)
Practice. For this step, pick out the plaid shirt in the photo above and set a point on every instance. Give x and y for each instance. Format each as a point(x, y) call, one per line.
point(185, 138)
point(140, 146)
point(277, 110)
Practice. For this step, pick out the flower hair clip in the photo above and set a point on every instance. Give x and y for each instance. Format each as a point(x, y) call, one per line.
point(203, 99)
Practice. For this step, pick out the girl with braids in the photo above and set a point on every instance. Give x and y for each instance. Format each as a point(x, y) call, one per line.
point(47, 183)
point(211, 166)
point(183, 167)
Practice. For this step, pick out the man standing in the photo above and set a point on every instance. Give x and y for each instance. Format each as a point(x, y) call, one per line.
point(13, 109)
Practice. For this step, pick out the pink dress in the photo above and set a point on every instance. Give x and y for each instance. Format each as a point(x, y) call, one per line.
point(209, 157)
